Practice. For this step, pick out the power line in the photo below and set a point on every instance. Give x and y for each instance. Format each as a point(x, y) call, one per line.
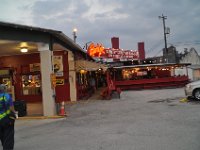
point(176, 44)
point(186, 43)
point(157, 53)
point(154, 47)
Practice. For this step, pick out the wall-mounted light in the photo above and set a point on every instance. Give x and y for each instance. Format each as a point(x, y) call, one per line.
point(24, 50)
point(83, 71)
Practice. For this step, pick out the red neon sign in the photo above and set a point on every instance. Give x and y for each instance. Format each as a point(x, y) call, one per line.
point(98, 50)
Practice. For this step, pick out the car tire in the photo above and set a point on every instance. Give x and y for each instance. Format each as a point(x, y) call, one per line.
point(196, 94)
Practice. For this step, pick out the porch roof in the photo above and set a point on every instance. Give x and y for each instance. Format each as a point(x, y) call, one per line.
point(89, 65)
point(17, 32)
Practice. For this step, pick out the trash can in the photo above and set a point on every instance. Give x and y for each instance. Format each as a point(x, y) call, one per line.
point(20, 106)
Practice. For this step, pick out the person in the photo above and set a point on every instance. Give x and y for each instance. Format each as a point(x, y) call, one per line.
point(7, 112)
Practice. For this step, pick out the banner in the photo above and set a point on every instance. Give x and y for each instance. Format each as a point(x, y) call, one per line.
point(58, 65)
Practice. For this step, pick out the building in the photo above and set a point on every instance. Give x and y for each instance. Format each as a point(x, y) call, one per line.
point(171, 55)
point(47, 72)
point(194, 72)
point(194, 69)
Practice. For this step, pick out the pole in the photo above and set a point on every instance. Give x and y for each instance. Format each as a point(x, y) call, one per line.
point(74, 34)
point(164, 28)
point(86, 46)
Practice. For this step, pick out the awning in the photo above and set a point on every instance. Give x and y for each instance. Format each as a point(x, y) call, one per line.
point(89, 65)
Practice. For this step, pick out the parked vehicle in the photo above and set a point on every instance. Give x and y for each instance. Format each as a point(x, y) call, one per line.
point(193, 90)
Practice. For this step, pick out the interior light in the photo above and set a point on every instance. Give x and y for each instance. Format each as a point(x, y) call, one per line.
point(24, 50)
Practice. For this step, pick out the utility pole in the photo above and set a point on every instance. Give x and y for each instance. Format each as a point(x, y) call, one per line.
point(164, 28)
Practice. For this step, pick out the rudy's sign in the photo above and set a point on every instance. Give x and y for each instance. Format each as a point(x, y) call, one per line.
point(98, 50)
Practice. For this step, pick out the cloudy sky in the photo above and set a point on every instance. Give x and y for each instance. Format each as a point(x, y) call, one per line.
point(132, 21)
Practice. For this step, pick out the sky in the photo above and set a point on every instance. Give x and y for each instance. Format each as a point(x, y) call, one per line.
point(132, 21)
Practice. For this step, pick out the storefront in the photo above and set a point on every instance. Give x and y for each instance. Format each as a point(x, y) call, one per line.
point(149, 76)
point(46, 73)
point(89, 77)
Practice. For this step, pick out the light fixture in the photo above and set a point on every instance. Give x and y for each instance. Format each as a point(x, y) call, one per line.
point(74, 34)
point(75, 30)
point(24, 50)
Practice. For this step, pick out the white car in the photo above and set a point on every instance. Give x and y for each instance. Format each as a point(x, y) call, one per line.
point(193, 90)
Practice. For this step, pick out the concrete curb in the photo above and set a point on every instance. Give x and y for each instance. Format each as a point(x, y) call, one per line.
point(41, 117)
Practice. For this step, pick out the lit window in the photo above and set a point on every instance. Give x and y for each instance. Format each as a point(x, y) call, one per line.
point(31, 84)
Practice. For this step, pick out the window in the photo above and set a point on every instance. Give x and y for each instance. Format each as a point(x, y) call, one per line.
point(31, 84)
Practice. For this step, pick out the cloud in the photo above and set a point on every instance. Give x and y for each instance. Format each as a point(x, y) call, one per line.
point(98, 10)
point(16, 12)
point(99, 20)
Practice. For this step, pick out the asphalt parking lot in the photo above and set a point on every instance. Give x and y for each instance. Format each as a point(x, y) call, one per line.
point(140, 120)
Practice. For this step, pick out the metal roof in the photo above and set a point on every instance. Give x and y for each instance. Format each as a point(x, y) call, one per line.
point(194, 67)
point(154, 65)
point(57, 36)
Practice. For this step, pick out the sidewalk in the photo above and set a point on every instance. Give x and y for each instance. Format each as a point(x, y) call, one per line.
point(37, 107)
point(97, 94)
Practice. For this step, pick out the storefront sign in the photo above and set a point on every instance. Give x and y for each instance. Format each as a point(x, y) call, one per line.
point(59, 81)
point(98, 50)
point(4, 72)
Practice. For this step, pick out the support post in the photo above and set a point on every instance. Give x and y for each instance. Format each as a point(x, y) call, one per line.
point(48, 95)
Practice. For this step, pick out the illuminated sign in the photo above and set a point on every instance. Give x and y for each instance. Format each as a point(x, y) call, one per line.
point(4, 72)
point(59, 81)
point(98, 50)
